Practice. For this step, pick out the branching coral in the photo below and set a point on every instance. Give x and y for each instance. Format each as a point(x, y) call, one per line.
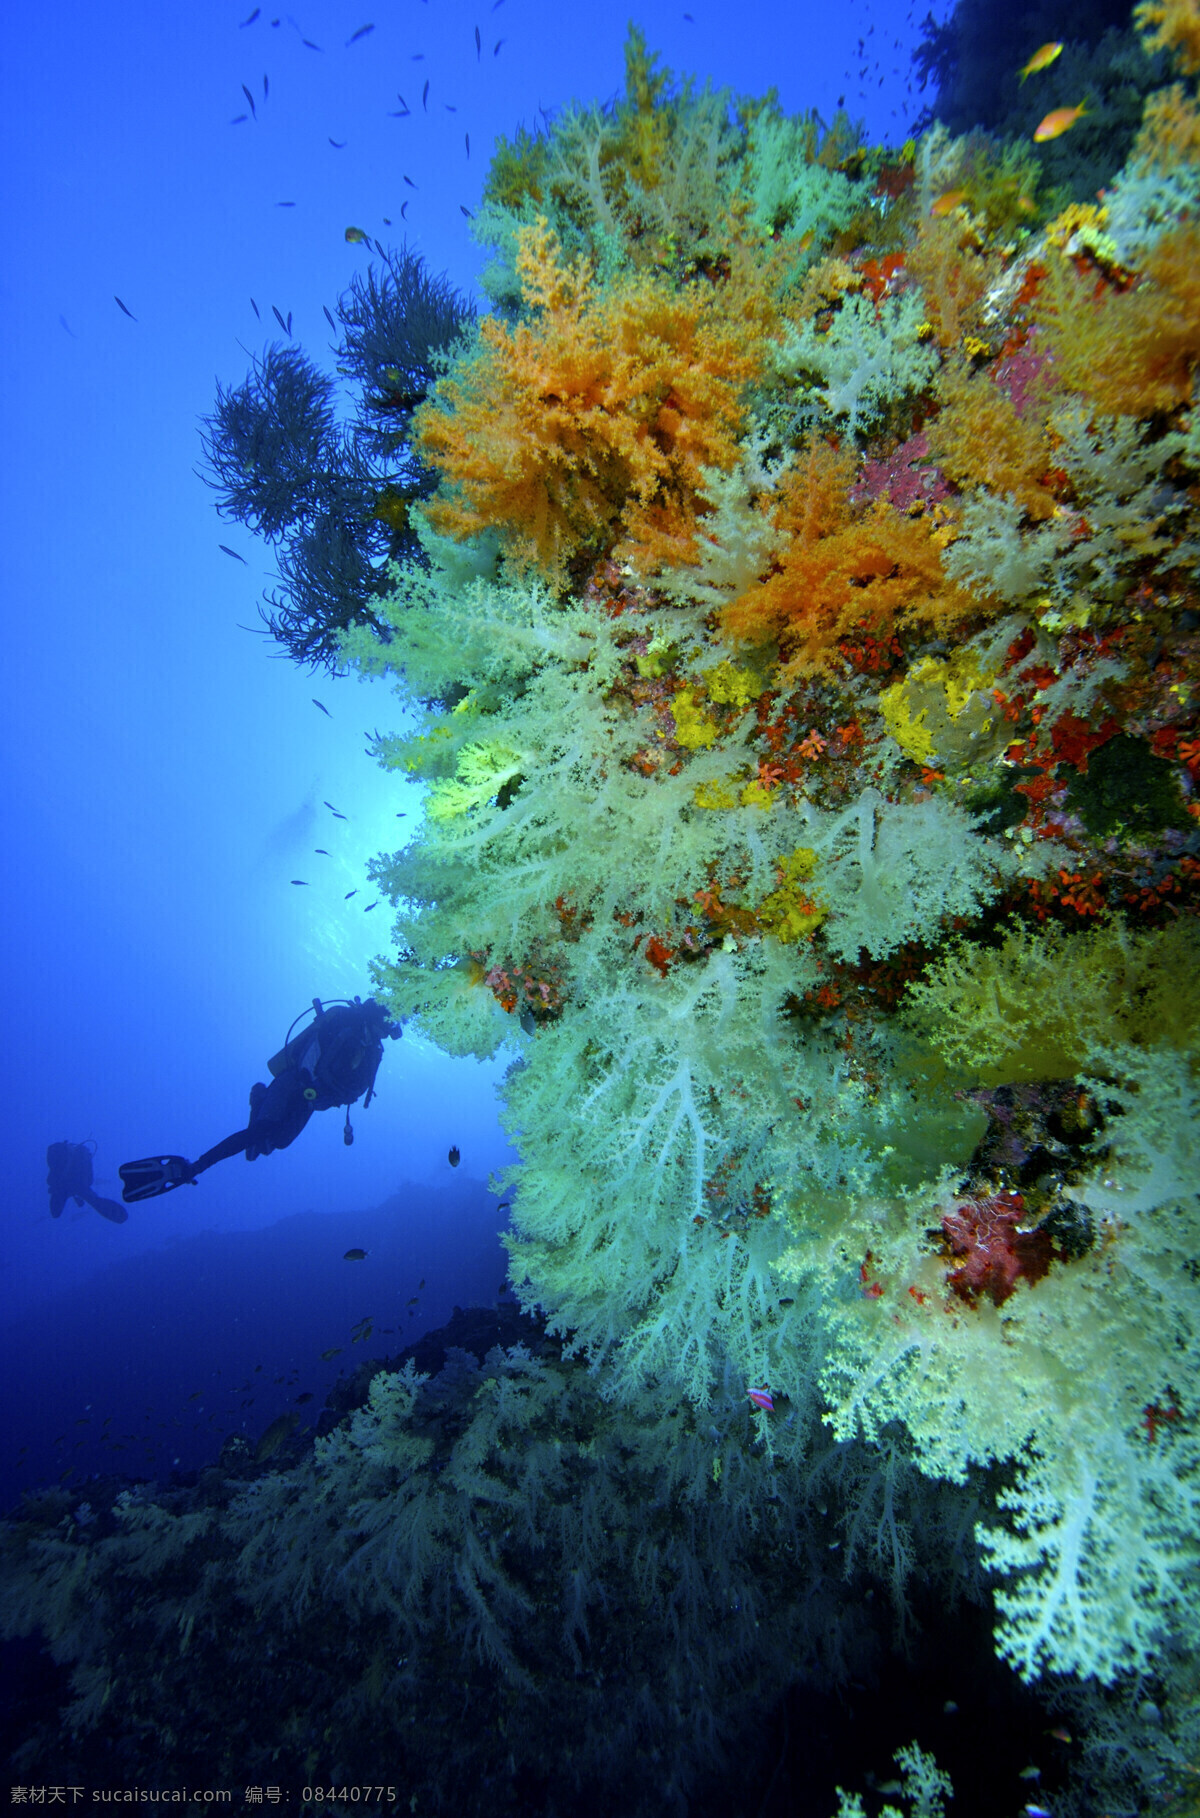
point(802, 663)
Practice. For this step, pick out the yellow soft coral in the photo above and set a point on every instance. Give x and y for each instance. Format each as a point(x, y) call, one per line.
point(694, 730)
point(1132, 353)
point(1178, 29)
point(791, 912)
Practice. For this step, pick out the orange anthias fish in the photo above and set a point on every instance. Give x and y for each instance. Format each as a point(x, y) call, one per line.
point(1057, 123)
point(1041, 59)
point(946, 205)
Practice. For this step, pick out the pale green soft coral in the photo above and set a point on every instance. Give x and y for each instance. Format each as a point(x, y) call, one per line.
point(481, 772)
point(924, 1788)
point(868, 358)
point(1037, 1006)
point(787, 192)
point(1096, 1542)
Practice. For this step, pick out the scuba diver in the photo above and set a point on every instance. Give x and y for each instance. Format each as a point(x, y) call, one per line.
point(331, 1062)
point(69, 1176)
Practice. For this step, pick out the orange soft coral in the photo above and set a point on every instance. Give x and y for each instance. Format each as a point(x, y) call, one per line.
point(840, 569)
point(1131, 353)
point(591, 421)
point(979, 439)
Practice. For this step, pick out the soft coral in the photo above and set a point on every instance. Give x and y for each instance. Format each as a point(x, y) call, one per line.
point(996, 1252)
point(596, 414)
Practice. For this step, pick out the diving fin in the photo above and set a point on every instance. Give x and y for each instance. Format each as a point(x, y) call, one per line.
point(107, 1208)
point(157, 1174)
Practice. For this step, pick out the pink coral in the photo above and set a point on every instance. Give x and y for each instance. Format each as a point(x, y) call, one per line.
point(997, 1253)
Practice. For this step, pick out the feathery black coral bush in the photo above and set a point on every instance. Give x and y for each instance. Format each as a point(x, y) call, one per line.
point(335, 496)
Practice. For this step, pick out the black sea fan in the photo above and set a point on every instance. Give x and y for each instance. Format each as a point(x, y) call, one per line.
point(397, 322)
point(336, 495)
point(271, 443)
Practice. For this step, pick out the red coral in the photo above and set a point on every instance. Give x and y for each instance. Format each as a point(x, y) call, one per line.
point(997, 1253)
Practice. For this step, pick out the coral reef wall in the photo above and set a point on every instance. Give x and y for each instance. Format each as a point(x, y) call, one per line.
point(805, 656)
point(794, 601)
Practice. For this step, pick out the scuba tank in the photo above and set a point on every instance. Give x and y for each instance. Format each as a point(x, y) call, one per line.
point(336, 1070)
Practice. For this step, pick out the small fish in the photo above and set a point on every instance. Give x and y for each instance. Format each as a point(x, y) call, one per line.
point(355, 1255)
point(467, 137)
point(1038, 1811)
point(409, 181)
point(125, 307)
point(289, 322)
point(371, 906)
point(478, 45)
point(1030, 1773)
point(946, 205)
point(330, 807)
point(285, 205)
point(420, 1285)
point(63, 323)
point(251, 19)
point(321, 850)
point(787, 1301)
point(333, 1351)
point(309, 45)
point(340, 145)
point(454, 1156)
point(300, 880)
point(349, 894)
point(330, 319)
point(324, 709)
point(1041, 59)
point(413, 1301)
point(254, 307)
point(239, 120)
point(466, 211)
point(499, 42)
point(1060, 1735)
point(266, 86)
point(1060, 121)
point(762, 1398)
point(226, 550)
point(250, 100)
point(337, 816)
point(404, 210)
point(360, 33)
point(425, 96)
point(279, 318)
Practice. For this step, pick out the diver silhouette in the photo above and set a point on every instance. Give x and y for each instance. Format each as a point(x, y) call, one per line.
point(69, 1176)
point(331, 1062)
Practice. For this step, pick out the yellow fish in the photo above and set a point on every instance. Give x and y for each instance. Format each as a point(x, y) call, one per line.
point(1057, 123)
point(1041, 59)
point(354, 235)
point(946, 205)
